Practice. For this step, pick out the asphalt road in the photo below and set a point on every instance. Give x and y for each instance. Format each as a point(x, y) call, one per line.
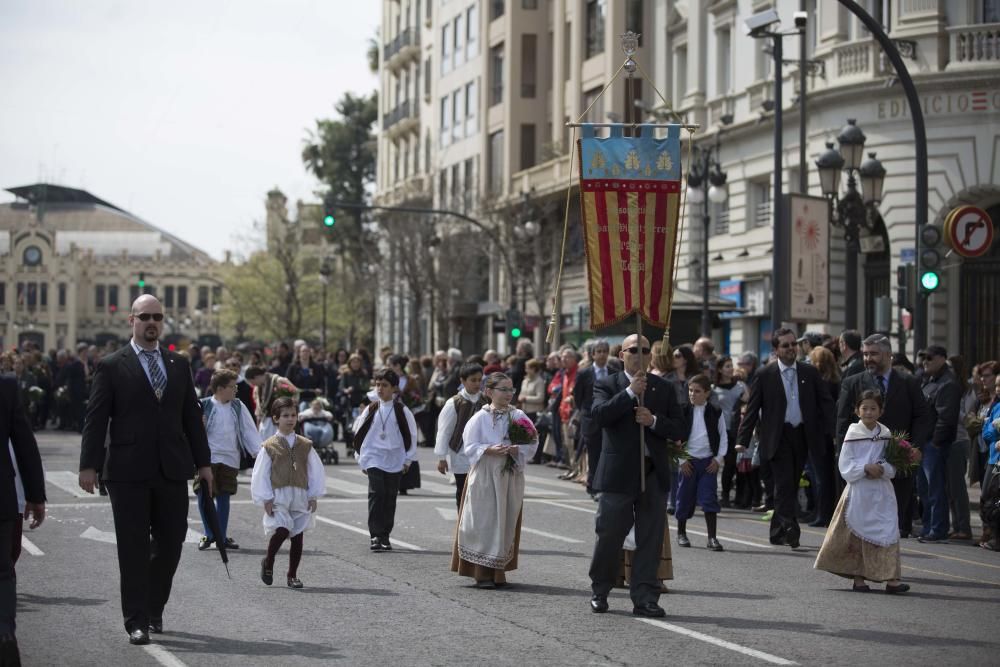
point(752, 604)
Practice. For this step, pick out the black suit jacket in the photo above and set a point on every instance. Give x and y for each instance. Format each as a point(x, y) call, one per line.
point(15, 428)
point(904, 407)
point(613, 411)
point(148, 437)
point(767, 407)
point(852, 366)
point(583, 400)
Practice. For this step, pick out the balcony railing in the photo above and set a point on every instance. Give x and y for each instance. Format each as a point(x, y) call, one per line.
point(408, 37)
point(975, 45)
point(402, 111)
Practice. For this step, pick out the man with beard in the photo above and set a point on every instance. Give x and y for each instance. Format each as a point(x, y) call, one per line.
point(904, 409)
point(144, 397)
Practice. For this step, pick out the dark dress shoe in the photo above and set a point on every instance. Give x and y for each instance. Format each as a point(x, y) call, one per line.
point(385, 544)
point(293, 582)
point(713, 545)
point(156, 626)
point(266, 573)
point(138, 637)
point(682, 540)
point(599, 604)
point(486, 584)
point(649, 610)
point(792, 541)
point(759, 508)
point(231, 544)
point(375, 545)
point(895, 590)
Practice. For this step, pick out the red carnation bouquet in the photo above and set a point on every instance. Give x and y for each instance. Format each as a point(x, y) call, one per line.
point(283, 388)
point(901, 454)
point(520, 432)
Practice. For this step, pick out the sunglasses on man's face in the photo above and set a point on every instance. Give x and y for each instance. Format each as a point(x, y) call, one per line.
point(635, 350)
point(145, 317)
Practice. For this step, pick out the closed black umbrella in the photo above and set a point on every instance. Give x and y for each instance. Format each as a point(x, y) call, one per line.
point(212, 519)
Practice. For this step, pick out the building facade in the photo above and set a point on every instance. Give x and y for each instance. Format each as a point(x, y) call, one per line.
point(71, 265)
point(535, 65)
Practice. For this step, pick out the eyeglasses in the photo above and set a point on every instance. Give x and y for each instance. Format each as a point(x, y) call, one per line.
point(145, 317)
point(635, 350)
point(506, 390)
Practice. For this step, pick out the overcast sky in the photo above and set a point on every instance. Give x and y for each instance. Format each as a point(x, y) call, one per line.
point(184, 113)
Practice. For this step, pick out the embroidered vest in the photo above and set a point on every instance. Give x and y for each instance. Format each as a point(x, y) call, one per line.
point(366, 425)
point(289, 465)
point(712, 414)
point(464, 409)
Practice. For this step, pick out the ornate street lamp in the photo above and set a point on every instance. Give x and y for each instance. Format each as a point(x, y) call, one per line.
point(706, 184)
point(854, 210)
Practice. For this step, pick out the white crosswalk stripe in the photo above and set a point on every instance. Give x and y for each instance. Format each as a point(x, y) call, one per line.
point(66, 481)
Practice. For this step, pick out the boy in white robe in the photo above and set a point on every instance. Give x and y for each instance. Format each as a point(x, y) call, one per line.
point(455, 414)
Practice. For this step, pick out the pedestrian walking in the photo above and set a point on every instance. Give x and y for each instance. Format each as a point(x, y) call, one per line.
point(489, 525)
point(862, 542)
point(144, 397)
point(945, 397)
point(455, 414)
point(287, 480)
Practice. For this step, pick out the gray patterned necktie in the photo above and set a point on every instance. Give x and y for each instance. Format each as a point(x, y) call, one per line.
point(881, 385)
point(156, 377)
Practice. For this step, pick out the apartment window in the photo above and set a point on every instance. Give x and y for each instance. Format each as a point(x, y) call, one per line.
point(202, 297)
point(456, 115)
point(496, 74)
point(406, 159)
point(594, 115)
point(991, 11)
point(43, 298)
point(631, 91)
point(720, 221)
point(182, 297)
point(529, 4)
point(759, 202)
point(529, 65)
point(416, 87)
point(471, 107)
point(495, 176)
point(395, 163)
point(427, 152)
point(723, 61)
point(427, 78)
point(216, 295)
point(168, 296)
point(3, 294)
point(762, 61)
point(133, 293)
point(597, 11)
point(496, 9)
point(416, 155)
point(113, 296)
point(680, 72)
point(456, 185)
point(633, 18)
point(456, 32)
point(445, 124)
point(62, 295)
point(445, 48)
point(471, 32)
point(528, 145)
point(468, 186)
point(99, 297)
point(443, 188)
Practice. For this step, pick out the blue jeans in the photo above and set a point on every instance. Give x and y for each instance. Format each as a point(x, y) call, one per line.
point(934, 495)
point(222, 510)
point(321, 433)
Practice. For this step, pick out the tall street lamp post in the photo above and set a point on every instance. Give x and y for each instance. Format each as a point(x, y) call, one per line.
point(706, 184)
point(854, 210)
point(324, 278)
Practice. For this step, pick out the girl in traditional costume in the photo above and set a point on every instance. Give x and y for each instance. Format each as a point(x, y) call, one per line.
point(862, 542)
point(288, 478)
point(489, 526)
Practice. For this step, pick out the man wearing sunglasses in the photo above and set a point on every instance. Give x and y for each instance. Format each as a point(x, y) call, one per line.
point(143, 397)
point(623, 404)
point(794, 410)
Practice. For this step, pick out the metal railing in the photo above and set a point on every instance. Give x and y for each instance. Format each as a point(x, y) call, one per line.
point(403, 110)
point(408, 37)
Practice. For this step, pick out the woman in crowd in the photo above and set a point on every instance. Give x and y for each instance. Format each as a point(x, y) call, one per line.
point(730, 394)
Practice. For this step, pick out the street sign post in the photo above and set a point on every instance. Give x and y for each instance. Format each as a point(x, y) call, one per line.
point(969, 231)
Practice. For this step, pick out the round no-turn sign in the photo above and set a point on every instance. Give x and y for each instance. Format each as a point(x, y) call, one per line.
point(969, 231)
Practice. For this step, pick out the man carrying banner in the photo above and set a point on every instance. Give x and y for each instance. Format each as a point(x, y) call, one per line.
point(625, 403)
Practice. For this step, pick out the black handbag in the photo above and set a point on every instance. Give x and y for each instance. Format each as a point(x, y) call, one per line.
point(989, 505)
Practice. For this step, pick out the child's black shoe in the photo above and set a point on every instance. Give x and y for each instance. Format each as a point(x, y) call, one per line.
point(266, 573)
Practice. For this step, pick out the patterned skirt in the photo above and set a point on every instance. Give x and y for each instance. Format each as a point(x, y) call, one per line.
point(845, 554)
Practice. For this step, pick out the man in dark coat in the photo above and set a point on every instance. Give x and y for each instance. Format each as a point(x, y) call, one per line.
point(903, 409)
point(623, 404)
point(851, 362)
point(146, 396)
point(794, 408)
point(583, 400)
point(942, 392)
point(15, 429)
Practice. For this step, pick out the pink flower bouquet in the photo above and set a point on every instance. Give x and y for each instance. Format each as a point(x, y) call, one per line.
point(901, 454)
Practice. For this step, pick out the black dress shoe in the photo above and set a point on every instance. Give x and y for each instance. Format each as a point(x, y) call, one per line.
point(138, 637)
point(385, 544)
point(792, 541)
point(156, 626)
point(266, 573)
point(375, 545)
point(713, 545)
point(599, 604)
point(649, 610)
point(682, 540)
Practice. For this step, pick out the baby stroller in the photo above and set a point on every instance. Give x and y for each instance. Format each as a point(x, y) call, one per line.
point(319, 429)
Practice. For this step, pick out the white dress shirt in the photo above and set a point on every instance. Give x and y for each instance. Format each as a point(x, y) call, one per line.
point(221, 431)
point(142, 359)
point(458, 462)
point(698, 444)
point(383, 446)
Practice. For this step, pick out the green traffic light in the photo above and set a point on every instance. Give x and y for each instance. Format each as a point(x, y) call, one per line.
point(515, 332)
point(329, 221)
point(142, 283)
point(929, 280)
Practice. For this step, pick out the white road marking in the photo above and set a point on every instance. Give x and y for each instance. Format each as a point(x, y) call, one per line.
point(587, 510)
point(551, 536)
point(67, 481)
point(722, 643)
point(360, 531)
point(535, 491)
point(28, 546)
point(545, 481)
point(99, 535)
point(448, 513)
point(163, 656)
point(733, 539)
point(345, 487)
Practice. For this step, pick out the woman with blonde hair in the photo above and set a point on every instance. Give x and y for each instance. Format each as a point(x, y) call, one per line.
point(660, 358)
point(823, 463)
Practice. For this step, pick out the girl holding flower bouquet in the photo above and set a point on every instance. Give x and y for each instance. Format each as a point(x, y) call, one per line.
point(498, 441)
point(862, 542)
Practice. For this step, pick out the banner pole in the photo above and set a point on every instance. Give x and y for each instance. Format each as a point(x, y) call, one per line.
point(642, 429)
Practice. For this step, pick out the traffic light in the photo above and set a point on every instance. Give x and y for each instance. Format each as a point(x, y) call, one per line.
point(515, 325)
point(329, 214)
point(930, 258)
point(905, 282)
point(329, 220)
point(142, 280)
